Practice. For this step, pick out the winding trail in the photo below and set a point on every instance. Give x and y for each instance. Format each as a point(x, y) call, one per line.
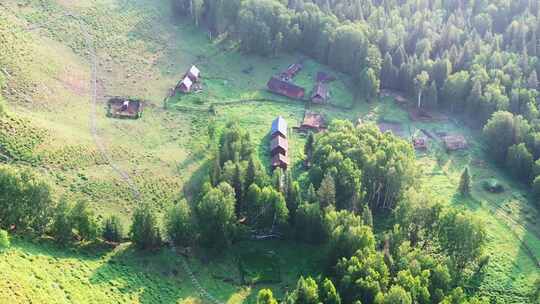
point(114, 166)
point(89, 41)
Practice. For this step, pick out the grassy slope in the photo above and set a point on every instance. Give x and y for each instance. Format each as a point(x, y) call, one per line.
point(143, 54)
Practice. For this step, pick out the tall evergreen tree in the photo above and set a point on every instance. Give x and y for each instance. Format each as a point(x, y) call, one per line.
point(465, 182)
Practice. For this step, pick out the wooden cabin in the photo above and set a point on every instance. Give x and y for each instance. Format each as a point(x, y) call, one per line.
point(291, 71)
point(279, 145)
point(194, 74)
point(313, 122)
point(288, 89)
point(185, 85)
point(121, 107)
point(320, 93)
point(279, 127)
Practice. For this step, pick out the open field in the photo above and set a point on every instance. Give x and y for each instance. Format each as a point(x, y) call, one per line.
point(143, 51)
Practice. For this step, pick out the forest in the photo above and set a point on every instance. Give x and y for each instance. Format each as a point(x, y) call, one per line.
point(476, 59)
point(355, 194)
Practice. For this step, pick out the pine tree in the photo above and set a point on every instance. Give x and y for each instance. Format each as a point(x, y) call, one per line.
point(238, 185)
point(327, 191)
point(112, 229)
point(367, 216)
point(251, 173)
point(311, 195)
point(215, 173)
point(308, 148)
point(465, 182)
point(266, 296)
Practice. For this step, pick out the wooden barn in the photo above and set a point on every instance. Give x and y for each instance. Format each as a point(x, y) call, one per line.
point(281, 87)
point(121, 107)
point(320, 93)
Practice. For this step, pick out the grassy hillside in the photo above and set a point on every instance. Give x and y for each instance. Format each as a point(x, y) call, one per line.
point(143, 51)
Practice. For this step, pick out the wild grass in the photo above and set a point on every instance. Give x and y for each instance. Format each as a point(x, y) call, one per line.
point(143, 51)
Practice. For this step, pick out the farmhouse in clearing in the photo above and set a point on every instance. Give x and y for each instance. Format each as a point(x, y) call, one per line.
point(279, 145)
point(190, 81)
point(121, 107)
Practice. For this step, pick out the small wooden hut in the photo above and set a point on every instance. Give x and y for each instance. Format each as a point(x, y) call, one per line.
point(320, 93)
point(122, 107)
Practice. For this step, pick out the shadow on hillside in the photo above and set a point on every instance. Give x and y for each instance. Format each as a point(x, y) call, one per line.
point(48, 247)
point(151, 277)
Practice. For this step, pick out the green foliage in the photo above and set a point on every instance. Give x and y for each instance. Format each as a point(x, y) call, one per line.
point(465, 182)
point(369, 84)
point(462, 236)
point(112, 229)
point(144, 230)
point(367, 216)
point(84, 221)
point(396, 295)
point(62, 225)
point(328, 293)
point(519, 161)
point(309, 223)
point(4, 240)
point(306, 292)
point(216, 216)
point(363, 276)
point(502, 131)
point(327, 191)
point(25, 200)
point(346, 234)
point(180, 225)
point(265, 296)
point(381, 166)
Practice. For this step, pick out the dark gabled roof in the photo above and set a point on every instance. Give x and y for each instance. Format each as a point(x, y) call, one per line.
point(279, 125)
point(279, 160)
point(279, 142)
point(285, 88)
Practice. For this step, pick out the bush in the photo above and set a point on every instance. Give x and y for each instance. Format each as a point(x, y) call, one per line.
point(4, 240)
point(112, 229)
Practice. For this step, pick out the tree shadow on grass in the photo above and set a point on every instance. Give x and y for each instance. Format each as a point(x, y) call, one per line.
point(151, 277)
point(48, 247)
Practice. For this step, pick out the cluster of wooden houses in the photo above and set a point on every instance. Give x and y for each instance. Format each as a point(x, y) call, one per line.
point(282, 84)
point(279, 144)
point(190, 82)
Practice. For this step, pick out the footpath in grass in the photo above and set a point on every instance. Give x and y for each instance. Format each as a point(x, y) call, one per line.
point(143, 52)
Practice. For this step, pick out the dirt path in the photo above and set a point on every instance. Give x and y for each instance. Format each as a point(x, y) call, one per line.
point(124, 175)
